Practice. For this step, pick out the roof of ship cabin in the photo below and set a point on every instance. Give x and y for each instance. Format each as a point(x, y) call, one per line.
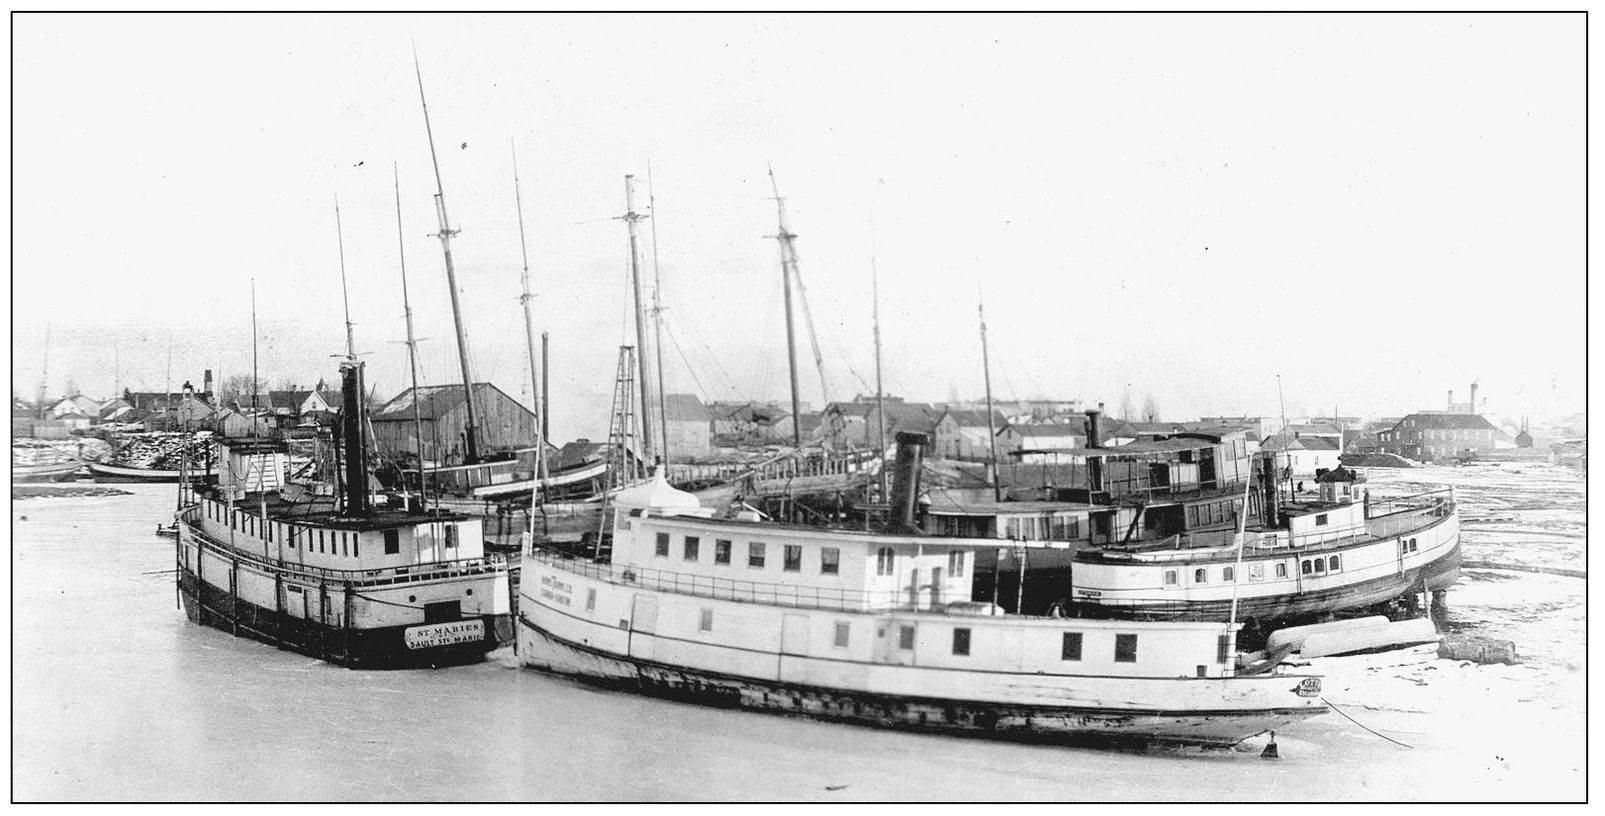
point(947, 506)
point(1340, 474)
point(1158, 446)
point(435, 401)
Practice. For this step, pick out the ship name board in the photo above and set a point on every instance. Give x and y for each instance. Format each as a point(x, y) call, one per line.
point(555, 590)
point(441, 634)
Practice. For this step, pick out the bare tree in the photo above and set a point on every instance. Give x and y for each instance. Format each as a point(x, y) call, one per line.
point(1126, 409)
point(238, 387)
point(1150, 409)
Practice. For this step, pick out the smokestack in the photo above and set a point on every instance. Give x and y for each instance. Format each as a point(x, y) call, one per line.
point(1268, 494)
point(352, 426)
point(206, 384)
point(1473, 398)
point(906, 479)
point(1451, 400)
point(1095, 427)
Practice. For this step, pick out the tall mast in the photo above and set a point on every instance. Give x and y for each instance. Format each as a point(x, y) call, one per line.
point(529, 336)
point(253, 359)
point(471, 431)
point(546, 396)
point(44, 375)
point(630, 217)
point(788, 268)
point(880, 393)
point(991, 432)
point(657, 315)
point(412, 345)
point(345, 296)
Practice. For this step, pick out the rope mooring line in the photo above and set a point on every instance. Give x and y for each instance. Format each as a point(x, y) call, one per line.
point(1363, 725)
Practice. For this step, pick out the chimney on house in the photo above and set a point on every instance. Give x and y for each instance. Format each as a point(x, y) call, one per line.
point(1451, 400)
point(1473, 398)
point(1095, 427)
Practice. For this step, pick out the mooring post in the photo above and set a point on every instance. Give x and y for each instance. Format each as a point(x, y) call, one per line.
point(1270, 751)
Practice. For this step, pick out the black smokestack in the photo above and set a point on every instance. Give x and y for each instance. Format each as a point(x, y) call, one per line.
point(1094, 428)
point(351, 420)
point(1267, 491)
point(906, 479)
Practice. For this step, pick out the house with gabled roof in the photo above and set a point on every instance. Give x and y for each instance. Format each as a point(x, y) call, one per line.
point(965, 434)
point(1434, 436)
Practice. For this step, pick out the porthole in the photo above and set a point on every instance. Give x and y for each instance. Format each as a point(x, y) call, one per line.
point(468, 592)
point(412, 599)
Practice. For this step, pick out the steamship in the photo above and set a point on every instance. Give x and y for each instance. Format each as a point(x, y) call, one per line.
point(1151, 530)
point(874, 627)
point(377, 582)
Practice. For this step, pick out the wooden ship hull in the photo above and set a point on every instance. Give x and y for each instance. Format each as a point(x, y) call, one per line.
point(52, 472)
point(106, 472)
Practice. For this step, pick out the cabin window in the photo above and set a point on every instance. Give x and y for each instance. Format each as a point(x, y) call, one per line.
point(1071, 649)
point(1256, 572)
point(356, 543)
point(268, 527)
point(755, 555)
point(590, 600)
point(707, 621)
point(1281, 570)
point(1412, 545)
point(1228, 574)
point(1332, 564)
point(320, 541)
point(791, 558)
point(1320, 566)
point(1320, 520)
point(843, 630)
point(830, 560)
point(451, 536)
point(884, 561)
point(905, 637)
point(721, 551)
point(663, 545)
point(1125, 648)
point(955, 563)
point(290, 539)
point(392, 542)
point(692, 544)
point(1171, 578)
point(1304, 567)
point(345, 544)
point(1200, 576)
point(961, 641)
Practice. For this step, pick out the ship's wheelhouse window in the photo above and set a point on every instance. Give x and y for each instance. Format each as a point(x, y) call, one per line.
point(955, 563)
point(663, 545)
point(1170, 578)
point(451, 536)
point(905, 637)
point(590, 600)
point(721, 551)
point(961, 641)
point(1320, 566)
point(1071, 648)
point(392, 542)
point(1281, 570)
point(1200, 576)
point(830, 559)
point(707, 621)
point(1228, 574)
point(884, 561)
point(692, 544)
point(755, 555)
point(843, 630)
point(1125, 648)
point(1304, 567)
point(1320, 520)
point(1332, 564)
point(791, 558)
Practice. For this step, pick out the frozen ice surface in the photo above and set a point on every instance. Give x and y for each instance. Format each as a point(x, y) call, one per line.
point(118, 697)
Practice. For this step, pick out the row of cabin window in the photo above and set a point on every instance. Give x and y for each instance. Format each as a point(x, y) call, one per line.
point(1407, 546)
point(249, 524)
point(791, 556)
point(1309, 566)
point(1070, 648)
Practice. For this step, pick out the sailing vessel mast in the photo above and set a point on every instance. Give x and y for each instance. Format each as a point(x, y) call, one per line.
point(412, 346)
point(471, 430)
point(880, 393)
point(529, 337)
point(44, 377)
point(991, 432)
point(657, 316)
point(788, 268)
point(345, 295)
point(630, 217)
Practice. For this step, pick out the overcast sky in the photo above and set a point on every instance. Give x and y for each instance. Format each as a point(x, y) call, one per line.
point(1377, 208)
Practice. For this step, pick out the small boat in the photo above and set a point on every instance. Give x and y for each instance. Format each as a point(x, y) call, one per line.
point(874, 628)
point(45, 471)
point(365, 585)
point(107, 472)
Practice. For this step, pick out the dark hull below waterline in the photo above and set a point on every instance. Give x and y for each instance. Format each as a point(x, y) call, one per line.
point(1440, 574)
point(382, 648)
point(1059, 725)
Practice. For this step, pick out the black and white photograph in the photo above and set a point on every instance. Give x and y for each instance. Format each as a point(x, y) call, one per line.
point(1041, 407)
